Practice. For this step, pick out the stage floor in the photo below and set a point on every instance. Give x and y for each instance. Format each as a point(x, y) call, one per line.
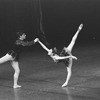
point(41, 78)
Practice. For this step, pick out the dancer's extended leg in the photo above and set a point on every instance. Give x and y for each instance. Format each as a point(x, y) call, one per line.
point(5, 58)
point(16, 74)
point(70, 46)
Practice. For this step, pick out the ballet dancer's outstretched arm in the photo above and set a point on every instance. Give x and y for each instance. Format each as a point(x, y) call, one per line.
point(24, 43)
point(57, 57)
point(44, 47)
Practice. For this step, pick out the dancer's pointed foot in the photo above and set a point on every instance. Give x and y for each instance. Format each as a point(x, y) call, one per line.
point(17, 86)
point(65, 84)
point(81, 26)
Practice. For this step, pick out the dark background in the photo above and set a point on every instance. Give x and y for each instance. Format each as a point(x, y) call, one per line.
point(61, 19)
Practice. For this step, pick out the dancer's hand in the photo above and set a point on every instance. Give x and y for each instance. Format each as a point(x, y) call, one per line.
point(80, 27)
point(74, 57)
point(50, 52)
point(36, 40)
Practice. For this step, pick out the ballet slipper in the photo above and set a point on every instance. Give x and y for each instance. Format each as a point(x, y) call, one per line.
point(17, 86)
point(65, 84)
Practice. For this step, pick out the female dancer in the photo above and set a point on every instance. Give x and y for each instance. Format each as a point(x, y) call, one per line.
point(65, 56)
point(13, 55)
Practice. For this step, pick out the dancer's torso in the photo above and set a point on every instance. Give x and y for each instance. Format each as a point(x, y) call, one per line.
point(16, 50)
point(64, 53)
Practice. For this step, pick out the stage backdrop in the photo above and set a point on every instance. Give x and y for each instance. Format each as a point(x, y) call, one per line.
point(60, 20)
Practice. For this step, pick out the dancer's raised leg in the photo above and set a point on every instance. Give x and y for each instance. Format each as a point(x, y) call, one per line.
point(70, 46)
point(5, 58)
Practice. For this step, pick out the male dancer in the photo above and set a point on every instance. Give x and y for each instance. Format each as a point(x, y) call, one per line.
point(14, 54)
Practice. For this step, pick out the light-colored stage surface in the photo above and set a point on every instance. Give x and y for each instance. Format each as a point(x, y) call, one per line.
point(41, 78)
